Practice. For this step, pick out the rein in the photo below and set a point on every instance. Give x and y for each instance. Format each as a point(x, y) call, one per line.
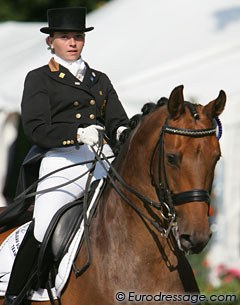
point(114, 174)
point(25, 194)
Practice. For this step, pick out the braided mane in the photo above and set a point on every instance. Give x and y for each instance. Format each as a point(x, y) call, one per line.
point(146, 109)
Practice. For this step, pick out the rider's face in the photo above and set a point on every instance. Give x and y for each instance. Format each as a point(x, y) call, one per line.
point(67, 45)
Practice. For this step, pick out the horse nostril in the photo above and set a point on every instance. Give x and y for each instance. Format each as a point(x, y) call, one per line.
point(186, 243)
point(192, 244)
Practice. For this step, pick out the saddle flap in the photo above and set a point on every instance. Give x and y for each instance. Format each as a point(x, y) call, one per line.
point(63, 228)
point(59, 234)
point(66, 229)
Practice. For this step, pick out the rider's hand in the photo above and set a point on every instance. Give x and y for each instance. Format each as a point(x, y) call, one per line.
point(89, 135)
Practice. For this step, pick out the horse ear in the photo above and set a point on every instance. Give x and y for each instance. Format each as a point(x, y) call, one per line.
point(215, 108)
point(176, 102)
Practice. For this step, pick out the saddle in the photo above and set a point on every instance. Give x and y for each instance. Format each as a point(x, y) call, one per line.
point(58, 237)
point(62, 230)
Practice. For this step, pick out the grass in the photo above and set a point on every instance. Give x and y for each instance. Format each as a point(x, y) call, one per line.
point(230, 285)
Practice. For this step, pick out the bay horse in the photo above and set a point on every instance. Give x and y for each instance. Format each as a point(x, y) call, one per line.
point(153, 210)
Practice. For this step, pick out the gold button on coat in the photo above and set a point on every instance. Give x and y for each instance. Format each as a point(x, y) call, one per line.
point(92, 116)
point(64, 142)
point(92, 102)
point(78, 116)
point(68, 142)
point(76, 103)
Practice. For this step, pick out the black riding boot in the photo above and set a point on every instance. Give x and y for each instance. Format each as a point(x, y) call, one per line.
point(25, 261)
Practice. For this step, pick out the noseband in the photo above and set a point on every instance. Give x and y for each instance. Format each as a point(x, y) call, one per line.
point(165, 196)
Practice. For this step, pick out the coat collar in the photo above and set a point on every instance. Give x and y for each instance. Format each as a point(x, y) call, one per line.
point(62, 74)
point(53, 65)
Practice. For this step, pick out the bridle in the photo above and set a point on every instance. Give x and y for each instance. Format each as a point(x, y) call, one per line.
point(167, 199)
point(162, 187)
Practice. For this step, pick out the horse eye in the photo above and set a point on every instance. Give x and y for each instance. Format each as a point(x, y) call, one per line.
point(172, 159)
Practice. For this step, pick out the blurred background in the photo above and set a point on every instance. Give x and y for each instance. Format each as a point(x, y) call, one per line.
point(147, 48)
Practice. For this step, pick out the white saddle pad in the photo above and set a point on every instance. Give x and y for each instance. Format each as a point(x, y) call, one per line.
point(9, 249)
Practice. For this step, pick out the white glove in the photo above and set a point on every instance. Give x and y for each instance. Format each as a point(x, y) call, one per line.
point(119, 131)
point(89, 135)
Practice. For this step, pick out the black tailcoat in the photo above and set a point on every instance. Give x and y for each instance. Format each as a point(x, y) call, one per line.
point(55, 104)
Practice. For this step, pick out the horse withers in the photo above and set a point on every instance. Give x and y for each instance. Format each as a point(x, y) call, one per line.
point(154, 208)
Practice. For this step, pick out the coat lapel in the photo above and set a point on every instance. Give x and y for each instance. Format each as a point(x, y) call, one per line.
point(91, 77)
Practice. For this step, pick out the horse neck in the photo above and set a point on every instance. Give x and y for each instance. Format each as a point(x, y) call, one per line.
point(134, 167)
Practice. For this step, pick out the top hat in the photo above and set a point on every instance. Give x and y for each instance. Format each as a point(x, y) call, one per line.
point(69, 19)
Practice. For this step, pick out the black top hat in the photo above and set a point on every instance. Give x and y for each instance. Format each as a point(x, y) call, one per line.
point(69, 19)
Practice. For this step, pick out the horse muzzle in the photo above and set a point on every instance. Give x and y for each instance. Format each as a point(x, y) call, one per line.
point(193, 236)
point(194, 243)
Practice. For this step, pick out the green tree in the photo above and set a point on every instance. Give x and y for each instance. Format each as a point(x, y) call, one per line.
point(35, 10)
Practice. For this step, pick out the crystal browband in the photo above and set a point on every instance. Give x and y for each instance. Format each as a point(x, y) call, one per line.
point(190, 132)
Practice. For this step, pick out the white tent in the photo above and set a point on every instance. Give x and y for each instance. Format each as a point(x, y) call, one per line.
point(147, 48)
point(150, 47)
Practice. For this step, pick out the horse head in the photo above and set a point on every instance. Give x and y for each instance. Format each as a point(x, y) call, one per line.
point(176, 149)
point(190, 159)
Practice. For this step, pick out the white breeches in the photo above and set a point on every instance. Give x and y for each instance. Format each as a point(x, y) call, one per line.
point(47, 204)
